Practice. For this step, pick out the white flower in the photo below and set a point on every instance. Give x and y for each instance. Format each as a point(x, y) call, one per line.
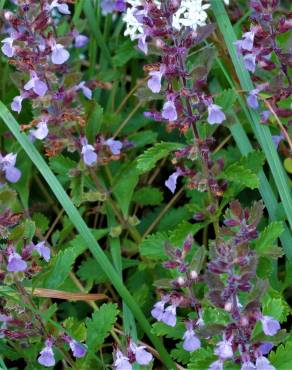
point(191, 13)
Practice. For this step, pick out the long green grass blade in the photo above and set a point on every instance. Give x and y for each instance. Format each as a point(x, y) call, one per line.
point(262, 133)
point(94, 27)
point(83, 230)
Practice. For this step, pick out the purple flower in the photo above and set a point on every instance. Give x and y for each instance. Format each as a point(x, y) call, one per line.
point(62, 8)
point(41, 131)
point(122, 362)
point(191, 341)
point(277, 139)
point(158, 310)
point(88, 153)
point(215, 114)
point(270, 325)
point(43, 251)
point(107, 6)
point(224, 349)
point(262, 363)
point(78, 349)
point(169, 315)
point(142, 44)
point(248, 40)
point(217, 365)
point(80, 41)
point(120, 5)
point(252, 99)
point(7, 164)
point(142, 357)
point(46, 357)
point(169, 111)
point(115, 146)
point(85, 90)
point(154, 83)
point(250, 62)
point(59, 54)
point(38, 86)
point(248, 366)
point(16, 263)
point(170, 183)
point(265, 348)
point(7, 48)
point(16, 104)
point(265, 114)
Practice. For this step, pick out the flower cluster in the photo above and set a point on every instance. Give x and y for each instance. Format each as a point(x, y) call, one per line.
point(260, 50)
point(135, 354)
point(41, 57)
point(46, 357)
point(230, 277)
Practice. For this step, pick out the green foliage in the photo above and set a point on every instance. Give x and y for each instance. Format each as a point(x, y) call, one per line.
point(264, 245)
point(124, 188)
point(281, 358)
point(99, 326)
point(148, 196)
point(94, 123)
point(147, 160)
point(241, 175)
point(153, 246)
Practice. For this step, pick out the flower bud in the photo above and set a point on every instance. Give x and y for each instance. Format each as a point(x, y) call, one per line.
point(115, 231)
point(194, 275)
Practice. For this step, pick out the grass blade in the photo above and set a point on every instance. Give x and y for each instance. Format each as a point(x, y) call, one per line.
point(83, 230)
point(262, 133)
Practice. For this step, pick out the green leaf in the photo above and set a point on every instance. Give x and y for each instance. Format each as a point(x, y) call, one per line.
point(179, 234)
point(41, 222)
point(94, 122)
point(201, 359)
point(153, 246)
point(151, 156)
point(123, 190)
point(254, 161)
point(124, 53)
point(240, 175)
point(264, 243)
point(281, 359)
point(63, 261)
point(226, 99)
point(162, 330)
point(180, 355)
point(89, 271)
point(99, 326)
point(75, 328)
point(148, 196)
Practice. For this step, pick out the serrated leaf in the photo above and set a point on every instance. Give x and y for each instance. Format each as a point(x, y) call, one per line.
point(151, 156)
point(180, 355)
point(162, 330)
point(182, 231)
point(240, 175)
point(254, 161)
point(76, 329)
point(264, 244)
point(153, 246)
point(88, 270)
point(201, 359)
point(29, 229)
point(99, 326)
point(281, 359)
point(41, 222)
point(61, 164)
point(148, 196)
